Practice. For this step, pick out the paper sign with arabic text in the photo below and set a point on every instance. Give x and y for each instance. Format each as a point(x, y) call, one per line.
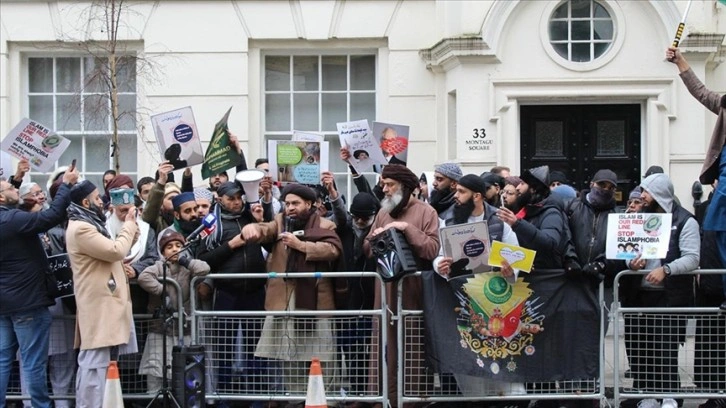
point(517, 257)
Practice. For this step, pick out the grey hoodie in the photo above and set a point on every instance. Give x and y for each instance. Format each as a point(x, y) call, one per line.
point(661, 188)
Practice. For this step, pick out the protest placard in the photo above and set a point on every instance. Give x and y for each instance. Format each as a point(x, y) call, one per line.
point(364, 149)
point(468, 247)
point(297, 161)
point(393, 140)
point(220, 154)
point(6, 165)
point(516, 256)
point(633, 234)
point(178, 138)
point(299, 136)
point(36, 143)
point(60, 266)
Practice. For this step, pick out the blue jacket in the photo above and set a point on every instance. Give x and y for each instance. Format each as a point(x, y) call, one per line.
point(24, 279)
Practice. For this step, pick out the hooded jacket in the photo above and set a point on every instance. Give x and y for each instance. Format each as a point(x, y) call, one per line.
point(684, 246)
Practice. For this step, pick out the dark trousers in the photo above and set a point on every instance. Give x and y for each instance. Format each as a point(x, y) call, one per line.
point(652, 341)
point(237, 339)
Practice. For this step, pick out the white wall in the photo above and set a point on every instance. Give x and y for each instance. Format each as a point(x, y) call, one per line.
point(208, 55)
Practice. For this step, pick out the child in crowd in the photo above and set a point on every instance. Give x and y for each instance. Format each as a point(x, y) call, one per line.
point(180, 268)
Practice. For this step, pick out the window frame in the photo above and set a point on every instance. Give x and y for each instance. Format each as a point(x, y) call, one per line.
point(617, 18)
point(82, 134)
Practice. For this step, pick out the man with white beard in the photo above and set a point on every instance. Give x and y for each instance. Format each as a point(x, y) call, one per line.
point(419, 223)
point(143, 254)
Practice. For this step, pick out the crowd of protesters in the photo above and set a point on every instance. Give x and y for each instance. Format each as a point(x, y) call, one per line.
point(127, 231)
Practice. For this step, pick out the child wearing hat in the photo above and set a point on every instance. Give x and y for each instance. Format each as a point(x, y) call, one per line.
point(181, 268)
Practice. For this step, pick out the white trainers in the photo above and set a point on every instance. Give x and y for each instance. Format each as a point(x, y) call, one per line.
point(669, 403)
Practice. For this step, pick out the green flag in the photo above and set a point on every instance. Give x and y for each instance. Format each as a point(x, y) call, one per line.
point(220, 155)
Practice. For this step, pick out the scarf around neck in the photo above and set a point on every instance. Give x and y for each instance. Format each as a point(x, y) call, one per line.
point(80, 213)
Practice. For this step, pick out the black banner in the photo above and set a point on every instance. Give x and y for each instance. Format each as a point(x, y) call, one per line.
point(60, 266)
point(544, 327)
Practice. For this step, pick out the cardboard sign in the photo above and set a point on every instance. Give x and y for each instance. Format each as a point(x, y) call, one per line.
point(364, 149)
point(517, 257)
point(393, 140)
point(468, 246)
point(36, 143)
point(178, 138)
point(297, 161)
point(633, 234)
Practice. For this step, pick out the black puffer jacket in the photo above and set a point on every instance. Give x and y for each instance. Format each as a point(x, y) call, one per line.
point(588, 229)
point(543, 230)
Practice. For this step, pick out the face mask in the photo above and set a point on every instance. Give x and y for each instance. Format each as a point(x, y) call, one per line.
point(600, 198)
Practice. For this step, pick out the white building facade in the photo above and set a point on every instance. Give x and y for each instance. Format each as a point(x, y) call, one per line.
point(577, 84)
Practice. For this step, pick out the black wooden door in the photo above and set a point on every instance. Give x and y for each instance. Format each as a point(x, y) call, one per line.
point(579, 140)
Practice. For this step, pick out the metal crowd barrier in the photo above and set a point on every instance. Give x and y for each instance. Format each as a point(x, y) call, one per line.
point(427, 385)
point(258, 355)
point(62, 335)
point(668, 352)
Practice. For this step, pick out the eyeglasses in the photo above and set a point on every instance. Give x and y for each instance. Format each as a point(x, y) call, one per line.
point(635, 202)
point(509, 193)
point(35, 194)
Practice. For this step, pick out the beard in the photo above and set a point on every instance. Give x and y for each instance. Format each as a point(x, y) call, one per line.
point(98, 210)
point(389, 203)
point(522, 201)
point(463, 211)
point(299, 221)
point(653, 207)
point(188, 227)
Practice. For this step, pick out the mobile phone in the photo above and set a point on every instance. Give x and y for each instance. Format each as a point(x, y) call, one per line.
point(73, 165)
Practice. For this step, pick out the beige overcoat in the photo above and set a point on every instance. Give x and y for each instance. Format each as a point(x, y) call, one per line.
point(104, 317)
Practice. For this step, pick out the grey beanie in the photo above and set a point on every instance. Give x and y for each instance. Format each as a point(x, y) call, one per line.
point(450, 170)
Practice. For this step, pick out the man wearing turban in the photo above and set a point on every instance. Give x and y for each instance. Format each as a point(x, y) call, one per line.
point(419, 223)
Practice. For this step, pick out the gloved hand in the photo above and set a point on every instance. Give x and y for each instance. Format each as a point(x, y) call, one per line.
point(573, 269)
point(595, 270)
point(184, 261)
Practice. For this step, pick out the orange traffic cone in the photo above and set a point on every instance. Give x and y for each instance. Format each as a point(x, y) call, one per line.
point(112, 397)
point(315, 397)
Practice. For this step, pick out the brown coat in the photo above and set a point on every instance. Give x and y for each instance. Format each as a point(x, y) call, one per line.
point(712, 101)
point(104, 317)
point(279, 290)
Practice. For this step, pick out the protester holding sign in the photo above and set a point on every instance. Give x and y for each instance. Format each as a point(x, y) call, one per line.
point(653, 351)
point(26, 288)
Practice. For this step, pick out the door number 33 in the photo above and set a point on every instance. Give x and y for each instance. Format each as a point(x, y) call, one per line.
point(479, 133)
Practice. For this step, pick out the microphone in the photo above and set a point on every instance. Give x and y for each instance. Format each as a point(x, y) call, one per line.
point(209, 224)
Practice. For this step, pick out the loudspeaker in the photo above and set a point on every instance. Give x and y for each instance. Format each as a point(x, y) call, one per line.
point(394, 257)
point(187, 375)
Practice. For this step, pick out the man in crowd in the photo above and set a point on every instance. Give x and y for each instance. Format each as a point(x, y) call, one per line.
point(32, 192)
point(635, 203)
point(226, 252)
point(542, 226)
point(471, 207)
point(159, 210)
point(653, 351)
point(305, 242)
point(495, 185)
point(27, 288)
point(104, 324)
point(205, 201)
point(715, 162)
point(442, 196)
point(419, 224)
point(144, 187)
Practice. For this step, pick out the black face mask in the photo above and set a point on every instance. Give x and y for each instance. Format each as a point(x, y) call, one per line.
point(188, 227)
point(463, 211)
point(601, 199)
point(441, 200)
